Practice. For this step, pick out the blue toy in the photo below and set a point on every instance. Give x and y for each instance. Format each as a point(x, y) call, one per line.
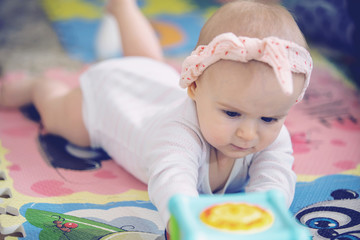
point(254, 216)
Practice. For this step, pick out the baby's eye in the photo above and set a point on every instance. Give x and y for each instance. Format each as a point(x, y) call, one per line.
point(232, 114)
point(269, 119)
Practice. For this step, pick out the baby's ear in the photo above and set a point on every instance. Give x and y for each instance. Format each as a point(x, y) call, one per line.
point(191, 90)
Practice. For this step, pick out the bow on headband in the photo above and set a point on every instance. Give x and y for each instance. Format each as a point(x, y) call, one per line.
point(283, 56)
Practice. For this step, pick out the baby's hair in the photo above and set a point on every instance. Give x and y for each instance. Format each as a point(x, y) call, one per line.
point(255, 19)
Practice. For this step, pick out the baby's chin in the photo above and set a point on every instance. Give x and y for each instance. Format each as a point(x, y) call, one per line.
point(236, 154)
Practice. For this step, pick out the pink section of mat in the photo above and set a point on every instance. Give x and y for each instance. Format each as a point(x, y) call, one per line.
point(33, 176)
point(325, 127)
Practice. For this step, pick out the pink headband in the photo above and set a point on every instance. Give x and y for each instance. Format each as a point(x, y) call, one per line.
point(283, 56)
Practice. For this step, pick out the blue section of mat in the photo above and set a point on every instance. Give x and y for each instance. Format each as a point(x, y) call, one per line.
point(78, 36)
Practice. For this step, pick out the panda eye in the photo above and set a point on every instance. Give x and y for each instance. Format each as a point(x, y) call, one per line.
point(322, 223)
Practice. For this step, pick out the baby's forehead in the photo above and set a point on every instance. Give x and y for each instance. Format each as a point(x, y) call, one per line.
point(233, 76)
point(241, 71)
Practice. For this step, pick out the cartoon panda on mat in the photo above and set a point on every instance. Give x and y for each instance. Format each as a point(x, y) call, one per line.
point(338, 219)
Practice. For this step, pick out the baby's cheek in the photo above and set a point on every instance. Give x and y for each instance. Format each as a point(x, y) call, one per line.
point(214, 135)
point(268, 136)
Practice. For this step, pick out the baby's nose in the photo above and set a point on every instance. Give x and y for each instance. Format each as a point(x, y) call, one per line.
point(247, 131)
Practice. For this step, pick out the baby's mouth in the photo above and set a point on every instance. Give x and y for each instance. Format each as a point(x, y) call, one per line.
point(238, 148)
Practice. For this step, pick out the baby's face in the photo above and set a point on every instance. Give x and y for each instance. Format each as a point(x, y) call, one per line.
point(241, 107)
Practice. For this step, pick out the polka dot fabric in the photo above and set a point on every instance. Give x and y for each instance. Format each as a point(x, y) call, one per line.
point(283, 56)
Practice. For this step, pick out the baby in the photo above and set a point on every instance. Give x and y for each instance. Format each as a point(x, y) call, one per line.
point(225, 134)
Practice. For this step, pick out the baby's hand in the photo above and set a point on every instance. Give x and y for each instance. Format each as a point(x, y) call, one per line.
point(167, 237)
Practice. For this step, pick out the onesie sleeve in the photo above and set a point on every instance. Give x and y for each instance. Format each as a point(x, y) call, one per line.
point(272, 168)
point(173, 165)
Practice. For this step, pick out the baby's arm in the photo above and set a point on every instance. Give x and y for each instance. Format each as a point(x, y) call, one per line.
point(172, 175)
point(173, 167)
point(272, 168)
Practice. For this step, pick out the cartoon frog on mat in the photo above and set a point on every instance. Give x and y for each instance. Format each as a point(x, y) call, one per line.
point(128, 220)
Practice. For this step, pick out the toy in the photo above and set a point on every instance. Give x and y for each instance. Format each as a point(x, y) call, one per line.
point(254, 216)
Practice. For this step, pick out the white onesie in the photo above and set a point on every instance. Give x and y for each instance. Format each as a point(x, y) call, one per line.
point(134, 109)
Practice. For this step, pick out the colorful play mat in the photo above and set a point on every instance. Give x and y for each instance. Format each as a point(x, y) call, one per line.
point(44, 195)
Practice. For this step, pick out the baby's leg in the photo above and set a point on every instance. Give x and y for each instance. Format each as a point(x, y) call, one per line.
point(15, 92)
point(137, 35)
point(59, 105)
point(60, 108)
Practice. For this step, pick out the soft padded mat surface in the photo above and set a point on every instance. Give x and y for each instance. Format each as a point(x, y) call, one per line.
point(46, 194)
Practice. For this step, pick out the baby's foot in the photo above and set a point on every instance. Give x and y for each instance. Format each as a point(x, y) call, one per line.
point(15, 90)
